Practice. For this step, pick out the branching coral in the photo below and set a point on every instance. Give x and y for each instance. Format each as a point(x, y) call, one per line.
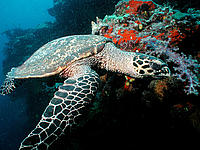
point(185, 68)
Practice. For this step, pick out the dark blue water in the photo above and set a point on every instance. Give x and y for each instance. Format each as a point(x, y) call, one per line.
point(23, 14)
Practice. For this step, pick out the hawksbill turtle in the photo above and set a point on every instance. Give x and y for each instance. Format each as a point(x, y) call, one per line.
point(72, 57)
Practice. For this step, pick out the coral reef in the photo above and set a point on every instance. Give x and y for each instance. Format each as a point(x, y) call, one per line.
point(167, 33)
point(146, 27)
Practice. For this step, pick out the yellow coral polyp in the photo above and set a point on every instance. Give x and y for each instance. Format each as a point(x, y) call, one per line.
point(140, 26)
point(127, 85)
point(132, 79)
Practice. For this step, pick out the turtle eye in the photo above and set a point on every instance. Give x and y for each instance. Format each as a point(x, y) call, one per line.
point(165, 70)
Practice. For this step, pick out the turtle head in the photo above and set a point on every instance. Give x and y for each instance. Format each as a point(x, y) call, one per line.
point(145, 65)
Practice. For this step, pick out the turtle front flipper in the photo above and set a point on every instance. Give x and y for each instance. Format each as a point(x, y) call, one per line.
point(66, 105)
point(9, 83)
point(7, 87)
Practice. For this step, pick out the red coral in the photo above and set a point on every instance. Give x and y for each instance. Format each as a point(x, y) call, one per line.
point(107, 36)
point(138, 22)
point(127, 35)
point(110, 30)
point(159, 36)
point(115, 40)
point(176, 36)
point(134, 5)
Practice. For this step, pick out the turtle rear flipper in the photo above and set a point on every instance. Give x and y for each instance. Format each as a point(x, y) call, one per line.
point(66, 105)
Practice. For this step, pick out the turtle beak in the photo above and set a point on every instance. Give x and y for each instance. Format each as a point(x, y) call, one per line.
point(161, 71)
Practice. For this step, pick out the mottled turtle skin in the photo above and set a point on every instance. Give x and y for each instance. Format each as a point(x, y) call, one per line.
point(72, 57)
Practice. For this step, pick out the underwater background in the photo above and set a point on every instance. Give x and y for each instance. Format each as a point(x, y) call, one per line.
point(17, 14)
point(126, 112)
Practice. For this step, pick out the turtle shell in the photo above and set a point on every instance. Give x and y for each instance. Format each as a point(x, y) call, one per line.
point(56, 55)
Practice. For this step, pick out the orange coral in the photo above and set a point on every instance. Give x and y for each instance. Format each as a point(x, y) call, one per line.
point(160, 87)
point(128, 35)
